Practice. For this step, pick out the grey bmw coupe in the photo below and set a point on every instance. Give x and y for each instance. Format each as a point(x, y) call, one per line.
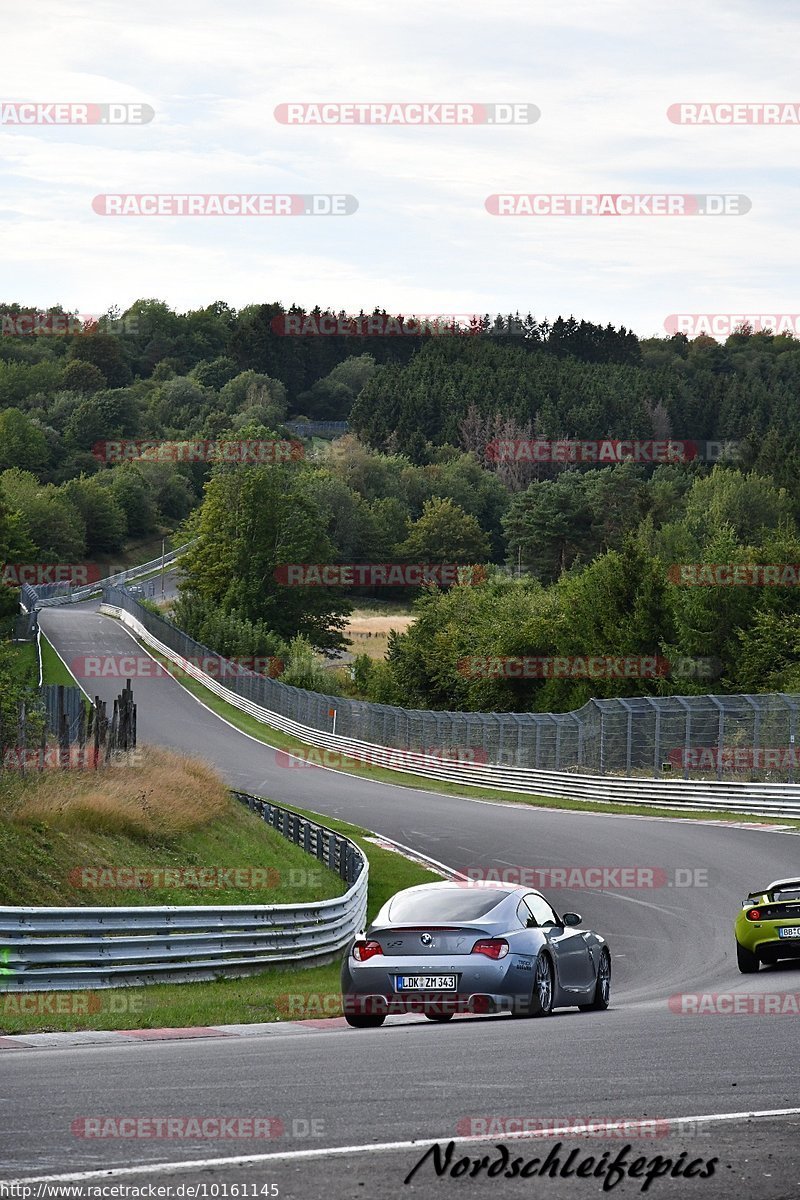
point(443, 948)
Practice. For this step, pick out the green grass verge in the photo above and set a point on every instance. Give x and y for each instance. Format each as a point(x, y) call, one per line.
point(54, 670)
point(43, 864)
point(281, 741)
point(275, 995)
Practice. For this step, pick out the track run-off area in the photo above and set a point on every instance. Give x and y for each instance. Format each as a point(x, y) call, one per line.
point(359, 1108)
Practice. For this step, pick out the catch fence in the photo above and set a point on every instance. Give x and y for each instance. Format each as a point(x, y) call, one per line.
point(746, 737)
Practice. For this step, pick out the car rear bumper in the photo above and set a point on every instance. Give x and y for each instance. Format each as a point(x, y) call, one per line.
point(773, 949)
point(475, 975)
point(432, 1003)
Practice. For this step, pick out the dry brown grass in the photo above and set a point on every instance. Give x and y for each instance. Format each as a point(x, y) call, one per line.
point(159, 794)
point(368, 632)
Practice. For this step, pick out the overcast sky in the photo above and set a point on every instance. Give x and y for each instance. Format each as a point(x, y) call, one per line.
point(602, 72)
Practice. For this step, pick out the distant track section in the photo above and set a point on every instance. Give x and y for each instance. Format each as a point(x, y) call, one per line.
point(780, 800)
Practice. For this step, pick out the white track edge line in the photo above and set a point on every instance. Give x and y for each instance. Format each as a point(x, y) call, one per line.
point(385, 1147)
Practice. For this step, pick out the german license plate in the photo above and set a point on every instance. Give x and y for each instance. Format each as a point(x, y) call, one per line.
point(425, 983)
point(790, 931)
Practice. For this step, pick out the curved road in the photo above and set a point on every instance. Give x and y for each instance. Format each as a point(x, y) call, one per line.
point(372, 1092)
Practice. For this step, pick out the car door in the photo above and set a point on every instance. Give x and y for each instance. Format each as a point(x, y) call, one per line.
point(568, 943)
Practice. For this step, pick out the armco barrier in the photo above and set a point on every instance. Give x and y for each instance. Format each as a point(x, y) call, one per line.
point(735, 736)
point(760, 799)
point(51, 594)
point(58, 949)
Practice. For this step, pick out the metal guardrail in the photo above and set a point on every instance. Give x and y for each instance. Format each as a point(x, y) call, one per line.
point(28, 602)
point(50, 594)
point(58, 949)
point(758, 799)
point(733, 737)
point(739, 738)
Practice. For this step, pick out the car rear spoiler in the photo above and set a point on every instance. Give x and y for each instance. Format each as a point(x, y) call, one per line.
point(780, 885)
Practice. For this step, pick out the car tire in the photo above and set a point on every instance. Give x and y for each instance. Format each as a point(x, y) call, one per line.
point(364, 1020)
point(541, 1001)
point(747, 962)
point(602, 990)
point(442, 1016)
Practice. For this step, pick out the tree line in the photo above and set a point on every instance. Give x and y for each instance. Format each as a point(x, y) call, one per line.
point(577, 557)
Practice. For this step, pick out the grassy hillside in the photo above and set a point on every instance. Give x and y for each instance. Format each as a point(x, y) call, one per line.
point(49, 827)
point(59, 828)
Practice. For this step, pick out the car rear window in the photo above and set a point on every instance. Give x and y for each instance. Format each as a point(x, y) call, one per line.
point(436, 908)
point(788, 894)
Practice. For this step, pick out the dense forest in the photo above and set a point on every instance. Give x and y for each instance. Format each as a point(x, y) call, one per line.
point(580, 559)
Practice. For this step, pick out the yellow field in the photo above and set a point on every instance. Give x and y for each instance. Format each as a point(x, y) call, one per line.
point(368, 632)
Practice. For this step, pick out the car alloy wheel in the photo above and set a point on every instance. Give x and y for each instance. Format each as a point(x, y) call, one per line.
point(604, 978)
point(542, 1005)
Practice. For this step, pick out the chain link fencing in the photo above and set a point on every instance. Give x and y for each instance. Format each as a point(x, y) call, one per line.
point(747, 738)
point(49, 594)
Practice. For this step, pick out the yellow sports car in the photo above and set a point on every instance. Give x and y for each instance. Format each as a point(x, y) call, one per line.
point(768, 927)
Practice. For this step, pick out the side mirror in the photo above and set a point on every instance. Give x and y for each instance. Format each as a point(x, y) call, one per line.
point(572, 918)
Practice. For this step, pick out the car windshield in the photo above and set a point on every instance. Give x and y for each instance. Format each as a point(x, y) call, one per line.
point(436, 908)
point(788, 894)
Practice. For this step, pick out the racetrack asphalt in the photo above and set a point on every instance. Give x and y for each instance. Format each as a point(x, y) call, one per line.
point(419, 1082)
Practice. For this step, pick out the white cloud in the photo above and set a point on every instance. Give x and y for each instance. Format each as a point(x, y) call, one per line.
point(602, 74)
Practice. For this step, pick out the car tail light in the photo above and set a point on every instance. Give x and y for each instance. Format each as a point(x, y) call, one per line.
point(364, 950)
point(491, 947)
point(753, 914)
